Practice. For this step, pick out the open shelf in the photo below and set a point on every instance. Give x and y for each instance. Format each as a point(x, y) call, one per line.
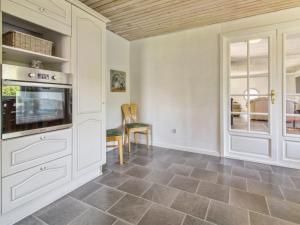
point(26, 56)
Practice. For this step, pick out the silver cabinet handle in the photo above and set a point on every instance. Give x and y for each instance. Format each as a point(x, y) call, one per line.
point(42, 137)
point(42, 9)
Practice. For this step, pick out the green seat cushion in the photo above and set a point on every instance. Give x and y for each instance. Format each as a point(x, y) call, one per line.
point(113, 132)
point(136, 125)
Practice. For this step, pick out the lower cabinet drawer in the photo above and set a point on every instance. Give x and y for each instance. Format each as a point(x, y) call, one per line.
point(25, 186)
point(25, 152)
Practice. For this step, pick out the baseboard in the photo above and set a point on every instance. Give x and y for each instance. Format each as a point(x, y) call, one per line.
point(267, 162)
point(27, 209)
point(187, 149)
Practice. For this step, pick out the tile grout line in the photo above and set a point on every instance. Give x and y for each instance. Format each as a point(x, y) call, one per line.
point(100, 210)
point(84, 212)
point(93, 192)
point(208, 208)
point(294, 185)
point(172, 202)
point(42, 221)
point(147, 189)
point(190, 174)
point(197, 188)
point(273, 217)
point(159, 204)
point(55, 205)
point(115, 203)
point(146, 211)
point(281, 192)
point(183, 219)
point(268, 207)
point(170, 181)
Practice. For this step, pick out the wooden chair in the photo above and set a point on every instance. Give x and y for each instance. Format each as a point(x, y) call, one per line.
point(129, 112)
point(116, 135)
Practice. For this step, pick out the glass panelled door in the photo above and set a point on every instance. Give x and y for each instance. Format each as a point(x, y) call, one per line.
point(261, 85)
point(289, 146)
point(292, 85)
point(249, 90)
point(249, 86)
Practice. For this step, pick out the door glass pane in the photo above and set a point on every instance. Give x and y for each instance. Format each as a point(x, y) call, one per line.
point(238, 104)
point(293, 105)
point(259, 104)
point(259, 123)
point(293, 84)
point(293, 125)
point(260, 84)
point(292, 48)
point(238, 56)
point(238, 86)
point(249, 101)
point(259, 56)
point(239, 121)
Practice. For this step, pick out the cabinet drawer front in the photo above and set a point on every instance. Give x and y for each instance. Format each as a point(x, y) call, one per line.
point(26, 152)
point(27, 185)
point(55, 14)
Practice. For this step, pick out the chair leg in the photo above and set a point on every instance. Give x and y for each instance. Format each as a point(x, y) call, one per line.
point(120, 143)
point(129, 146)
point(135, 138)
point(151, 135)
point(147, 138)
point(124, 138)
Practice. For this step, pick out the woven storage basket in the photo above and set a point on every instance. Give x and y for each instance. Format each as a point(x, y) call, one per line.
point(25, 41)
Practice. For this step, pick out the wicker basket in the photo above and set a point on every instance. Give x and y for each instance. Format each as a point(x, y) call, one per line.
point(25, 41)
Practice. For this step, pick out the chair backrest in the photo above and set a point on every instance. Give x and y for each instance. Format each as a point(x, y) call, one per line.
point(133, 111)
point(129, 113)
point(126, 113)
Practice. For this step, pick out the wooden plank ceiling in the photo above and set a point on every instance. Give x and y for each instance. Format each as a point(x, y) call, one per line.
point(136, 19)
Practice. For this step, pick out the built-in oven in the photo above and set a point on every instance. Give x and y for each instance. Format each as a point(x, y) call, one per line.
point(34, 101)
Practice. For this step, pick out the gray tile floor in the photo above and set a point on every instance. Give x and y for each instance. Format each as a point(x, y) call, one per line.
point(168, 187)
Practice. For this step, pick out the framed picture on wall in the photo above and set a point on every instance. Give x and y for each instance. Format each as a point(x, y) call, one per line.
point(117, 81)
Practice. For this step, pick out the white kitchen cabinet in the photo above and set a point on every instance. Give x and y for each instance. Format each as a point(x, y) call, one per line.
point(25, 152)
point(25, 186)
point(53, 14)
point(88, 55)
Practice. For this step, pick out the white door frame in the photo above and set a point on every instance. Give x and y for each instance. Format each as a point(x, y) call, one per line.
point(261, 32)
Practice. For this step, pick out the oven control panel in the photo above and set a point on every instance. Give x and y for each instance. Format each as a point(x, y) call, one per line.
point(42, 76)
point(11, 72)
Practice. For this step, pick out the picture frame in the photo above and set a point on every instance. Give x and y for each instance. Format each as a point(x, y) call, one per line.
point(117, 81)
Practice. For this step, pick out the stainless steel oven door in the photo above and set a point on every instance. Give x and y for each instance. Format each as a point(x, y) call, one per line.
point(29, 108)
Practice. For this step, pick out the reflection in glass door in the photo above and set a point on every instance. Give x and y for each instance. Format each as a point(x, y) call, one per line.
point(249, 86)
point(292, 85)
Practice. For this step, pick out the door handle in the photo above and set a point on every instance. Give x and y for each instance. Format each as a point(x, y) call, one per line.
point(273, 95)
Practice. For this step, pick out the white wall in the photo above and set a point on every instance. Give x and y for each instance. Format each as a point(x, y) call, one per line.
point(175, 81)
point(117, 59)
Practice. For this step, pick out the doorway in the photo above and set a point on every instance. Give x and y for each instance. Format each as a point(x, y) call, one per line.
point(261, 96)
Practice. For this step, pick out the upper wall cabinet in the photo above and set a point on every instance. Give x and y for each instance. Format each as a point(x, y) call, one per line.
point(88, 53)
point(53, 14)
